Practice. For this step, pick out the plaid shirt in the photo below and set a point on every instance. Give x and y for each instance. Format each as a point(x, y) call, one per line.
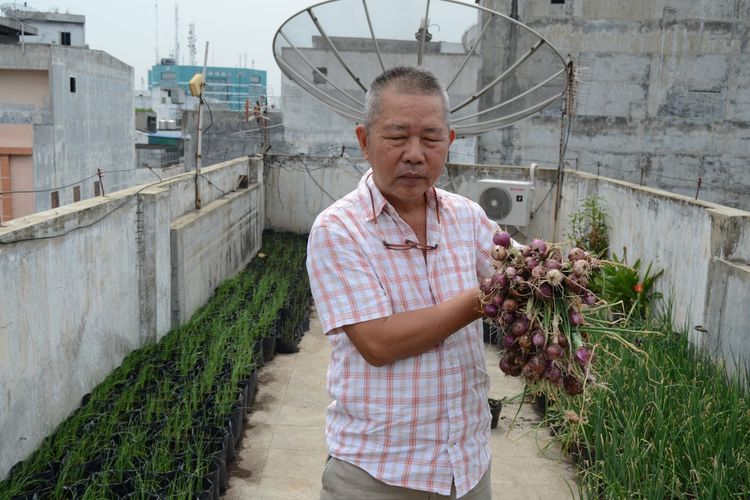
point(420, 422)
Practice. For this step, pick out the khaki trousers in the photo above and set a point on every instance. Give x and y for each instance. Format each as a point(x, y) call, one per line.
point(344, 481)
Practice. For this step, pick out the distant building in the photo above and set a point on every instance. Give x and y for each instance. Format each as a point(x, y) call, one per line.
point(65, 112)
point(52, 28)
point(233, 86)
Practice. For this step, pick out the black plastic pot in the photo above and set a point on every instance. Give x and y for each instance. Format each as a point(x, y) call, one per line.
point(258, 353)
point(249, 385)
point(124, 489)
point(284, 346)
point(214, 477)
point(540, 403)
point(495, 406)
point(269, 347)
point(237, 421)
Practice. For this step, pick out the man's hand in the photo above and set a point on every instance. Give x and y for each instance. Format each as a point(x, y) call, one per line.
point(401, 335)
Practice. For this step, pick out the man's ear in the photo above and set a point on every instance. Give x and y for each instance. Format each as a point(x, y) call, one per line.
point(361, 132)
point(452, 136)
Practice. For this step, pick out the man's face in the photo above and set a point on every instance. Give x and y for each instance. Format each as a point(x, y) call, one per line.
point(407, 146)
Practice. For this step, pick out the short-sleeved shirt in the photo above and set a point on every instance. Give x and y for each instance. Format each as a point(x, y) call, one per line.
point(420, 422)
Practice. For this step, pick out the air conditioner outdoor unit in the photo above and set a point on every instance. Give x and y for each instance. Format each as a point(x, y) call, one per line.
point(506, 202)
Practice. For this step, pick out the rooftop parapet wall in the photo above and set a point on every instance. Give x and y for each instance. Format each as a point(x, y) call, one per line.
point(704, 248)
point(87, 283)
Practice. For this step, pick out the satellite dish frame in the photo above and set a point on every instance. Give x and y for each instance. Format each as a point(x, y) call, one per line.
point(358, 115)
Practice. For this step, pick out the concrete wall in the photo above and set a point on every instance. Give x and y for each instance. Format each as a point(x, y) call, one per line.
point(703, 248)
point(210, 245)
point(227, 134)
point(660, 93)
point(75, 133)
point(85, 284)
point(50, 25)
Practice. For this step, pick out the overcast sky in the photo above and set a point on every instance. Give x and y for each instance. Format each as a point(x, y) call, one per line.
point(127, 30)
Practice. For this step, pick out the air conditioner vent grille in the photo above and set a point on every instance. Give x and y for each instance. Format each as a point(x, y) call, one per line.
point(496, 203)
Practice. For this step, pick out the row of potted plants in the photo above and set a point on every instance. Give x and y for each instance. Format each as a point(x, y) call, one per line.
point(166, 422)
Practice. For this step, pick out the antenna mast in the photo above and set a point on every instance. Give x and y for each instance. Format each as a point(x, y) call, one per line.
point(191, 43)
point(176, 33)
point(156, 30)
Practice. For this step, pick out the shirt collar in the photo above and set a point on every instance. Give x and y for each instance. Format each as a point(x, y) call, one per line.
point(378, 200)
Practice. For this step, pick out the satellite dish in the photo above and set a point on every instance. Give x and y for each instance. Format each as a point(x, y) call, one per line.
point(497, 71)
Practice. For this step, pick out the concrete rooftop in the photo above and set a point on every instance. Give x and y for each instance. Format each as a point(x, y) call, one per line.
point(283, 449)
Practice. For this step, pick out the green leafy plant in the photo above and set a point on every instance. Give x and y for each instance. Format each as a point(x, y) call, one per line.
point(629, 286)
point(671, 425)
point(588, 227)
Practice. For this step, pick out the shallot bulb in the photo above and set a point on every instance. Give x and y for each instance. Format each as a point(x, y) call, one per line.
point(575, 317)
point(553, 374)
point(555, 277)
point(524, 341)
point(538, 272)
point(544, 291)
point(539, 246)
point(499, 280)
point(510, 305)
point(499, 253)
point(554, 351)
point(572, 385)
point(553, 264)
point(584, 356)
point(576, 254)
point(581, 267)
point(589, 299)
point(538, 339)
point(501, 238)
point(537, 363)
point(520, 326)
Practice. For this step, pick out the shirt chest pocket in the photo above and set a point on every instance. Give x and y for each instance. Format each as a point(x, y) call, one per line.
point(459, 265)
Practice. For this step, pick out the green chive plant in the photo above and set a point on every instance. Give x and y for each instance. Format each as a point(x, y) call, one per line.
point(671, 424)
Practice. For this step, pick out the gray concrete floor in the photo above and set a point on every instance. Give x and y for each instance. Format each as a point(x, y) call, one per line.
point(283, 450)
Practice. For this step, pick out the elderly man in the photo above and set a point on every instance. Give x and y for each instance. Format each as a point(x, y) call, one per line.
point(394, 269)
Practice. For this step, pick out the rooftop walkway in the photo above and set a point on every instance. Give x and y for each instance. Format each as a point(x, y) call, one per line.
point(283, 450)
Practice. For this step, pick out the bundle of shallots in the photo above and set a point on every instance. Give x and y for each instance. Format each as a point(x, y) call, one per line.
point(537, 299)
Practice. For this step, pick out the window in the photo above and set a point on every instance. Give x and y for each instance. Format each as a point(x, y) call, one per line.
point(65, 38)
point(97, 188)
point(72, 85)
point(254, 79)
point(76, 194)
point(317, 78)
point(54, 199)
point(558, 1)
